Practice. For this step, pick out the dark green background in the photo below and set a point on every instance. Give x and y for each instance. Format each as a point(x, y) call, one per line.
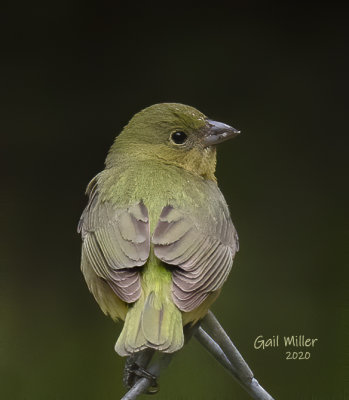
point(72, 75)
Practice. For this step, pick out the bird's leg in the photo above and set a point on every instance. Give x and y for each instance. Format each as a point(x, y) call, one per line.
point(128, 376)
point(214, 338)
point(143, 384)
point(136, 363)
point(135, 367)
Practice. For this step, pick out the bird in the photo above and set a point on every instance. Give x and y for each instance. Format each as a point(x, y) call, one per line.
point(158, 241)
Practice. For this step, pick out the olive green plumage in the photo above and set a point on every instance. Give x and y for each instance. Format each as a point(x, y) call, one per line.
point(158, 242)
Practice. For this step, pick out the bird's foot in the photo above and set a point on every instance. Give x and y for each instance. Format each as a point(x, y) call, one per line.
point(133, 372)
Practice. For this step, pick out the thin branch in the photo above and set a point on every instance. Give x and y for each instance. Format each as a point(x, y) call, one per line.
point(214, 338)
point(206, 341)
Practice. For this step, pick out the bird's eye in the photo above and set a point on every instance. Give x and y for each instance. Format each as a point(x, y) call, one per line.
point(179, 137)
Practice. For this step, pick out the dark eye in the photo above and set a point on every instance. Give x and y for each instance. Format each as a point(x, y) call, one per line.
point(179, 137)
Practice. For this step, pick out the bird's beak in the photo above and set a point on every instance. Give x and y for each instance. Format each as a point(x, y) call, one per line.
point(217, 132)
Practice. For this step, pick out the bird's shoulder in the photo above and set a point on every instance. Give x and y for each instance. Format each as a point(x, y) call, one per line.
point(157, 183)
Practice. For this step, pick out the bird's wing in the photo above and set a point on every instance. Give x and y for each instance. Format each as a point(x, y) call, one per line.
point(203, 251)
point(115, 240)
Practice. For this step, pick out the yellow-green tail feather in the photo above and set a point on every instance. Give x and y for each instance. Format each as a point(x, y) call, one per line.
point(153, 321)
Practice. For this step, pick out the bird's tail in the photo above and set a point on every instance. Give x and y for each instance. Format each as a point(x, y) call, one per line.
point(153, 321)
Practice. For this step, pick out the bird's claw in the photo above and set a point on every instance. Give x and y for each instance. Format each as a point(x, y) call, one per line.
point(133, 372)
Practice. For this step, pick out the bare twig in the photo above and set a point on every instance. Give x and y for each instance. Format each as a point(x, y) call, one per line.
point(205, 339)
point(214, 338)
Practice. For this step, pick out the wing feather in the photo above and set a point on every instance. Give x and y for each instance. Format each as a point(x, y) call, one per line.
point(202, 250)
point(115, 241)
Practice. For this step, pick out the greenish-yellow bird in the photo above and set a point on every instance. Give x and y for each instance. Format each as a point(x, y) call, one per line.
point(158, 240)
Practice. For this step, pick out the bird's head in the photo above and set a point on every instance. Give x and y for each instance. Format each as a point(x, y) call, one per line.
point(174, 134)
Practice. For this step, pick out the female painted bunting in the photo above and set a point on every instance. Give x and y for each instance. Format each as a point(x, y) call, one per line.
point(158, 241)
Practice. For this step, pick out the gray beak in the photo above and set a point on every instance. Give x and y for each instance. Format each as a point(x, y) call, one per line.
point(217, 132)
